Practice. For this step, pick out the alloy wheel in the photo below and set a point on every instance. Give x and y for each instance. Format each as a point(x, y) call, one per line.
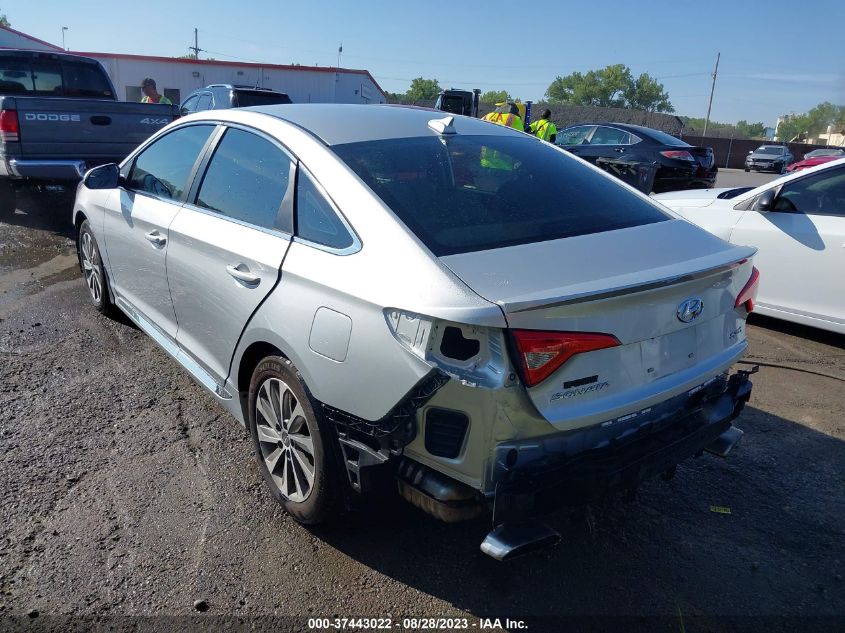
point(92, 267)
point(285, 439)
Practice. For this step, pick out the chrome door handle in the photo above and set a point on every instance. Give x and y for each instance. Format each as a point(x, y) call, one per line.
point(242, 275)
point(156, 238)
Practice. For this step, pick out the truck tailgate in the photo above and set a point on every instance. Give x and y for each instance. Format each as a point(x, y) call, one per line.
point(86, 128)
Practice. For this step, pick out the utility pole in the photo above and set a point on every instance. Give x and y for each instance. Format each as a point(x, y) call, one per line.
point(712, 88)
point(196, 47)
point(64, 29)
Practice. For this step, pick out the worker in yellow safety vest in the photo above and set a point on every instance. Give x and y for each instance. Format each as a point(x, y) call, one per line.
point(506, 114)
point(543, 128)
point(509, 115)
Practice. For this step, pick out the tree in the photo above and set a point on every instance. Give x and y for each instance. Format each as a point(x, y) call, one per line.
point(744, 129)
point(423, 90)
point(612, 86)
point(495, 96)
point(4, 21)
point(647, 94)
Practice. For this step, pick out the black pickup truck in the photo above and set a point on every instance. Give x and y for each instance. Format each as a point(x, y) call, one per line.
point(59, 116)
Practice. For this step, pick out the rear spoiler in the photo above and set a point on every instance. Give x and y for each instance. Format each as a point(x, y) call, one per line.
point(595, 290)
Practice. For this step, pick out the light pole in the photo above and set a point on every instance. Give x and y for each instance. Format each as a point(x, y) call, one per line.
point(64, 28)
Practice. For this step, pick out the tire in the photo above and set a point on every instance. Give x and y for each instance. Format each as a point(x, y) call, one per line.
point(746, 169)
point(295, 446)
point(91, 265)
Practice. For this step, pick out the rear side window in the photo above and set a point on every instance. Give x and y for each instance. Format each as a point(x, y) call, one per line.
point(316, 219)
point(163, 168)
point(472, 193)
point(609, 136)
point(204, 102)
point(247, 99)
point(247, 180)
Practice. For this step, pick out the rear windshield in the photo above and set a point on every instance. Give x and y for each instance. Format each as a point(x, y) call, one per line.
point(667, 139)
point(247, 99)
point(470, 193)
point(46, 76)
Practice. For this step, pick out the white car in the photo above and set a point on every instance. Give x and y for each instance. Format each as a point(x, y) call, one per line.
point(798, 224)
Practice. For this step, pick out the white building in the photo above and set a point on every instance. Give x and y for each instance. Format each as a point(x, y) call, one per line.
point(176, 78)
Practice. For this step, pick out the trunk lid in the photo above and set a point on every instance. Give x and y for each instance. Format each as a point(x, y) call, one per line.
point(630, 283)
point(703, 156)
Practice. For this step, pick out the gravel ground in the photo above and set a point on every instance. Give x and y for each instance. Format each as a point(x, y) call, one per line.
point(131, 499)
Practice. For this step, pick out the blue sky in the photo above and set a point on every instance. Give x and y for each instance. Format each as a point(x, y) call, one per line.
point(777, 56)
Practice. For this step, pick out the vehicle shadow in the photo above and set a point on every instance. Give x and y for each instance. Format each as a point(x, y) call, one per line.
point(43, 207)
point(758, 535)
point(796, 329)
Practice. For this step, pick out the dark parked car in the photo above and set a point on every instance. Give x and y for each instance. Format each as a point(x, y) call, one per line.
point(221, 96)
point(679, 164)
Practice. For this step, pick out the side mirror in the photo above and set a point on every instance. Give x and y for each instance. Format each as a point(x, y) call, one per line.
point(765, 201)
point(103, 177)
point(751, 151)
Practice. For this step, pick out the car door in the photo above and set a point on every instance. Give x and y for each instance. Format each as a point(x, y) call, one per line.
point(575, 139)
point(228, 243)
point(136, 221)
point(606, 142)
point(801, 243)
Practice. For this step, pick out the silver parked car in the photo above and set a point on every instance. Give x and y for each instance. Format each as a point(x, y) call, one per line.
point(769, 158)
point(380, 294)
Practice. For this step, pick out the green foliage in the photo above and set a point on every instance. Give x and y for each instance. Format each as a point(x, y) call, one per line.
point(495, 96)
point(423, 90)
point(4, 21)
point(612, 86)
point(744, 129)
point(647, 94)
point(813, 123)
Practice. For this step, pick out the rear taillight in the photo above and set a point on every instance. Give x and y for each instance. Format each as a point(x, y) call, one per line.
point(749, 291)
point(9, 128)
point(542, 353)
point(678, 155)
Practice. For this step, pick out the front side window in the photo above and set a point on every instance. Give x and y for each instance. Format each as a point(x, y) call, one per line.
point(819, 194)
point(473, 193)
point(247, 180)
point(574, 135)
point(164, 167)
point(316, 219)
point(190, 105)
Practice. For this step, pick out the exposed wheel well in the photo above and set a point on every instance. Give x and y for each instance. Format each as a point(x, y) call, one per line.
point(249, 361)
point(78, 219)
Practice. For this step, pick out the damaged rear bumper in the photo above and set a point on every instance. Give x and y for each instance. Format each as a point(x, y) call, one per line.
point(559, 474)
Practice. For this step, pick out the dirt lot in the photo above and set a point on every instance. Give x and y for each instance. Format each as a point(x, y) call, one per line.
point(128, 495)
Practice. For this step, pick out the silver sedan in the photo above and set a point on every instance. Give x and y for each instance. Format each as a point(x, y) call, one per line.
point(380, 294)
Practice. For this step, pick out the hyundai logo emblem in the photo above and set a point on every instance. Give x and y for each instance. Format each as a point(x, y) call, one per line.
point(690, 310)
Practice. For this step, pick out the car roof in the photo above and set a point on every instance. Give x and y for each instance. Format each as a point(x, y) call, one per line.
point(340, 123)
